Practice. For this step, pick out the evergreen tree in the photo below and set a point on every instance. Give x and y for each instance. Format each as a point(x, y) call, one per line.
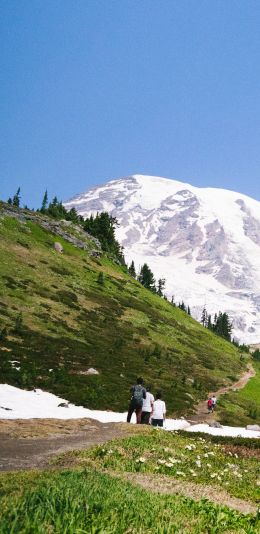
point(182, 306)
point(172, 301)
point(222, 326)
point(132, 270)
point(44, 202)
point(17, 198)
point(146, 278)
point(103, 227)
point(209, 323)
point(160, 286)
point(9, 201)
point(188, 311)
point(204, 317)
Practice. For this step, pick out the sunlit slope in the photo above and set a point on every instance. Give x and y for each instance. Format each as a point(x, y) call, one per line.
point(70, 323)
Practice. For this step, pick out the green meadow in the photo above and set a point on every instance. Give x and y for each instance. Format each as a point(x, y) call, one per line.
point(57, 320)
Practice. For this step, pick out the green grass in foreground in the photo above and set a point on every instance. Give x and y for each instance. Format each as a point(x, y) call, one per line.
point(91, 502)
point(186, 458)
point(242, 405)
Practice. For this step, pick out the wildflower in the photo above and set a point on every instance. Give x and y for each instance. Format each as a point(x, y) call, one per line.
point(169, 464)
point(206, 455)
point(110, 451)
point(180, 473)
point(213, 475)
point(211, 453)
point(198, 463)
point(209, 466)
point(161, 462)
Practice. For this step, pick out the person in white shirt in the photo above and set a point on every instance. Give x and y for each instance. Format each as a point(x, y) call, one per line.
point(159, 411)
point(147, 407)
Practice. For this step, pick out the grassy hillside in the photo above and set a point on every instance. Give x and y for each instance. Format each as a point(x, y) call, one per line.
point(61, 321)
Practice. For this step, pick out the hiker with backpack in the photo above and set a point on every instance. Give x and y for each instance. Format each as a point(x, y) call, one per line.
point(138, 394)
point(210, 405)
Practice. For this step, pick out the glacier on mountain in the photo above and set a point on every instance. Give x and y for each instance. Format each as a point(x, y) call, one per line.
point(204, 241)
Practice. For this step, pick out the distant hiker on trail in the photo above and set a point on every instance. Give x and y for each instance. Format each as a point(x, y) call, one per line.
point(159, 410)
point(214, 402)
point(210, 405)
point(138, 394)
point(147, 407)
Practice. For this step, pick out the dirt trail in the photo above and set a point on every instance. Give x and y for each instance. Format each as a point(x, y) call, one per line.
point(202, 415)
point(164, 484)
point(30, 444)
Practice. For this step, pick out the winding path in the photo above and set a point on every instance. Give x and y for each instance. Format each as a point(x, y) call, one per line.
point(202, 415)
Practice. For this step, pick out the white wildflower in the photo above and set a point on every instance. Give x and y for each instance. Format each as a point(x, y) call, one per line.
point(180, 473)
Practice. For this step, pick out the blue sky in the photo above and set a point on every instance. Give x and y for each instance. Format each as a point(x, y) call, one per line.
point(98, 89)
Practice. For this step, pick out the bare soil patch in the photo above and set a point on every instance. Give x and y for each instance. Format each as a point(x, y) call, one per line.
point(30, 444)
point(163, 484)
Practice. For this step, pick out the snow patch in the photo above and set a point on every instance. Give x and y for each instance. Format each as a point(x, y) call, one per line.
point(17, 403)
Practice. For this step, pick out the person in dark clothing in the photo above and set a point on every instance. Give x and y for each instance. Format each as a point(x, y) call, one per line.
point(138, 394)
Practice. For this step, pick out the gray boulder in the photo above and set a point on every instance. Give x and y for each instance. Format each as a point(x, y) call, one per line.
point(215, 424)
point(253, 427)
point(58, 247)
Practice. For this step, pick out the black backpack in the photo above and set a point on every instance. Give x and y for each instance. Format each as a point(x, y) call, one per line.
point(138, 395)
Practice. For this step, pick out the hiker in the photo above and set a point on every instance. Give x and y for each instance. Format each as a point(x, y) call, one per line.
point(138, 394)
point(210, 406)
point(159, 410)
point(147, 407)
point(214, 402)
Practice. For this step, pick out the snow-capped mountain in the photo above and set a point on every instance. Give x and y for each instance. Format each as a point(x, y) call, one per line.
point(204, 241)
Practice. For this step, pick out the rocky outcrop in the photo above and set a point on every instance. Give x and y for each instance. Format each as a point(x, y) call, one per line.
point(72, 233)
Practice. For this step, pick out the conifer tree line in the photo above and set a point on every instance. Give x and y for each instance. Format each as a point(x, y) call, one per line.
point(147, 279)
point(220, 325)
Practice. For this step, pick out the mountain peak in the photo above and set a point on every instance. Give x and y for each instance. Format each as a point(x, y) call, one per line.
point(204, 241)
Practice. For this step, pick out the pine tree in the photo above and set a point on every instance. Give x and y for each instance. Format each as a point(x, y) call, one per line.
point(17, 198)
point(9, 201)
point(132, 270)
point(44, 202)
point(204, 317)
point(188, 311)
point(146, 278)
point(160, 286)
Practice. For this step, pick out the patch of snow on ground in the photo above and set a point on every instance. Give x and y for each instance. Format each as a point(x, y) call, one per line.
point(17, 403)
